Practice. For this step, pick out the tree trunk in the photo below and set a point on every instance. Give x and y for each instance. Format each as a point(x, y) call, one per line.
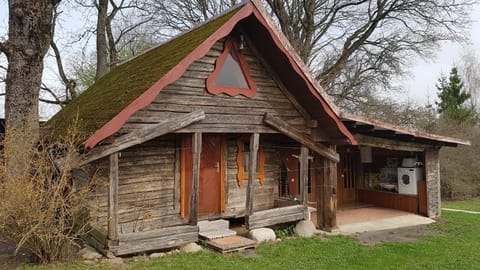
point(29, 33)
point(102, 62)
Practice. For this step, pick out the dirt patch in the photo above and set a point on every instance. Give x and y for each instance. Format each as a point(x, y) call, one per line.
point(405, 234)
point(7, 259)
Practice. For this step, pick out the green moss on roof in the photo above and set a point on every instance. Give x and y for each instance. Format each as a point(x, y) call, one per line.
point(124, 83)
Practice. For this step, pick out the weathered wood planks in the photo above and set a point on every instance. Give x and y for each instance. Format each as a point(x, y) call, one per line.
point(252, 170)
point(113, 198)
point(291, 132)
point(276, 216)
point(224, 114)
point(156, 239)
point(142, 135)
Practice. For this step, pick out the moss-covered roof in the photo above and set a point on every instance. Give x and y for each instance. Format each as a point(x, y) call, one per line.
point(126, 82)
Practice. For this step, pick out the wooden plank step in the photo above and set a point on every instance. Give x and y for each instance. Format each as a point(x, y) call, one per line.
point(231, 244)
point(215, 234)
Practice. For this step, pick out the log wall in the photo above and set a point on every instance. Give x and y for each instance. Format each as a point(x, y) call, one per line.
point(265, 194)
point(98, 197)
point(224, 114)
point(149, 195)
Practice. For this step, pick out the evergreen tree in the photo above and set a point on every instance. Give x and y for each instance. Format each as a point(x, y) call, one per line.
point(452, 98)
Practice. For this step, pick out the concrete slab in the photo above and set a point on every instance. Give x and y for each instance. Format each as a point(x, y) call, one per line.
point(354, 220)
point(384, 224)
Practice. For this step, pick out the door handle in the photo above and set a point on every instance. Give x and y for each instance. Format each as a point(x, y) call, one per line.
point(217, 166)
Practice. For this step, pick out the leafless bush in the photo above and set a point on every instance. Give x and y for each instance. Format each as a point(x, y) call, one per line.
point(43, 212)
point(460, 173)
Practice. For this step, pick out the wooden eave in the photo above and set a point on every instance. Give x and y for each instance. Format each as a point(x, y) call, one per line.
point(363, 127)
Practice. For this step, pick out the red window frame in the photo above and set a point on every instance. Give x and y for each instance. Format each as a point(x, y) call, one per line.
point(231, 46)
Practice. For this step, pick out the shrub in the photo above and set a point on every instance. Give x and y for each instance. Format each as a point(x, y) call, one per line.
point(42, 211)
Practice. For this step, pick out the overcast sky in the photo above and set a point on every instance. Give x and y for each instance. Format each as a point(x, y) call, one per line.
point(420, 87)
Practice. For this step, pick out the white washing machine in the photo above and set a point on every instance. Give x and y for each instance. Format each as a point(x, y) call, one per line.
point(407, 180)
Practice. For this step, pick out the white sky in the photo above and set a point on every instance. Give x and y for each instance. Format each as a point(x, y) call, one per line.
point(420, 87)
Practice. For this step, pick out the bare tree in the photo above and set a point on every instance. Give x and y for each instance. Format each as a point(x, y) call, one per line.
point(102, 64)
point(352, 45)
point(29, 35)
point(116, 20)
point(469, 69)
point(177, 16)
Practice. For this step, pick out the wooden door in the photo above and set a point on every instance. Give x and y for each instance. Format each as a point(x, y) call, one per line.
point(346, 175)
point(211, 170)
point(291, 174)
point(211, 188)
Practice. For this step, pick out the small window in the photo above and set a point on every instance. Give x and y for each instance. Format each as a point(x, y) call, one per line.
point(231, 75)
point(243, 158)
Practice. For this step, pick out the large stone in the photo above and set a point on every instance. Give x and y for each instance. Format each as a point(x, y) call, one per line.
point(157, 255)
point(117, 261)
point(262, 235)
point(305, 228)
point(89, 253)
point(191, 248)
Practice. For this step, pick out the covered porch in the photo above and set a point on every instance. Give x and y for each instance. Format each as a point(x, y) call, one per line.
point(392, 167)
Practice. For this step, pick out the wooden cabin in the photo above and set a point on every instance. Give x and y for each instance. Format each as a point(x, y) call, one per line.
point(224, 121)
point(211, 124)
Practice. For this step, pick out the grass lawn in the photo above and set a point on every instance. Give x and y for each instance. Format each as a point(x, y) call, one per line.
point(472, 205)
point(455, 246)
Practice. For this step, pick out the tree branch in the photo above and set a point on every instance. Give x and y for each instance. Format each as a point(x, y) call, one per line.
point(57, 100)
point(5, 48)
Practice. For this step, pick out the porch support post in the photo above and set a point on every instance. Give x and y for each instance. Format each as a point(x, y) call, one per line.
point(304, 178)
point(113, 199)
point(196, 151)
point(327, 197)
point(432, 175)
point(252, 170)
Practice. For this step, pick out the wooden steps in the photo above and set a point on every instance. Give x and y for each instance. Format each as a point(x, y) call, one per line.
point(210, 230)
point(231, 244)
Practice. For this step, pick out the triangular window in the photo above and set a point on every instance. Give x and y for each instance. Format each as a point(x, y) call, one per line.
point(231, 75)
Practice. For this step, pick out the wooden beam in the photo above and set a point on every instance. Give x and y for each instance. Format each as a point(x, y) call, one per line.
point(330, 196)
point(304, 177)
point(140, 136)
point(295, 134)
point(196, 152)
point(252, 171)
point(390, 144)
point(320, 190)
point(113, 198)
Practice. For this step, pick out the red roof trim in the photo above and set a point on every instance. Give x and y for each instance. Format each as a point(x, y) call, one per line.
point(175, 73)
point(231, 45)
point(343, 129)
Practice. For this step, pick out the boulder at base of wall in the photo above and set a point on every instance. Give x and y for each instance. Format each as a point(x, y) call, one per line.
point(305, 228)
point(191, 248)
point(262, 235)
point(89, 253)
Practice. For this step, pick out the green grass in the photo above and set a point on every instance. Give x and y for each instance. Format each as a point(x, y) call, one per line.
point(455, 246)
point(472, 205)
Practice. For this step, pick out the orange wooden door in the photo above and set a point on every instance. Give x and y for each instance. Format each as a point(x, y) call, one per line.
point(291, 164)
point(211, 168)
point(346, 179)
point(211, 200)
